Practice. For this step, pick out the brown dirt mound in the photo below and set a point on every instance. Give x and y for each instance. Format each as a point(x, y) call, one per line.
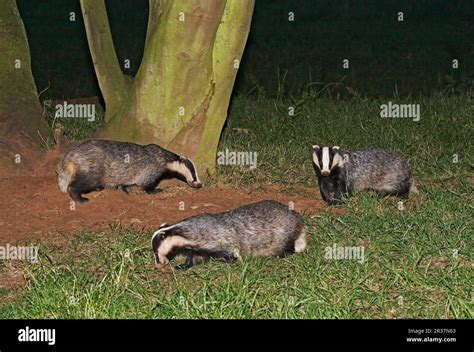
point(34, 208)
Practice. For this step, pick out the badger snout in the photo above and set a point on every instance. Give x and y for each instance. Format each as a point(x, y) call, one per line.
point(195, 184)
point(325, 173)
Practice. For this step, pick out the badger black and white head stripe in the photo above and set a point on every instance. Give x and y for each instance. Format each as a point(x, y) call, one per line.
point(163, 241)
point(265, 228)
point(186, 168)
point(316, 149)
point(326, 158)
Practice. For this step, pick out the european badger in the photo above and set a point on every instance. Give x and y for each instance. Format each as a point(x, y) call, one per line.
point(346, 172)
point(93, 165)
point(266, 228)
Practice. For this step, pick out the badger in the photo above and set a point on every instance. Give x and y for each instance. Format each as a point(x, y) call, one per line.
point(346, 172)
point(265, 228)
point(93, 165)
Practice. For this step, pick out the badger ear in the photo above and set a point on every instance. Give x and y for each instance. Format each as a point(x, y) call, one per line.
point(165, 230)
point(315, 146)
point(163, 225)
point(336, 147)
point(156, 240)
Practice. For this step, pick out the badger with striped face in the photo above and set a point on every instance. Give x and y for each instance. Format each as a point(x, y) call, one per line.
point(327, 159)
point(265, 228)
point(346, 172)
point(328, 164)
point(93, 165)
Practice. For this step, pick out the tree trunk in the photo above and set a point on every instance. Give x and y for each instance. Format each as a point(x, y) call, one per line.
point(112, 81)
point(22, 127)
point(180, 95)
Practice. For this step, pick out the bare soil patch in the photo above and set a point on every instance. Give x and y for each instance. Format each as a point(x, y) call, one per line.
point(33, 208)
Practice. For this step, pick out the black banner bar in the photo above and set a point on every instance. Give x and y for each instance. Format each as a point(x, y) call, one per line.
point(412, 334)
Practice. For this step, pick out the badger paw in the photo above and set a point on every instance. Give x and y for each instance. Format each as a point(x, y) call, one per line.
point(124, 189)
point(152, 191)
point(79, 199)
point(335, 202)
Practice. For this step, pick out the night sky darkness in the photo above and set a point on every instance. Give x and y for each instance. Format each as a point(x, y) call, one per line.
point(413, 56)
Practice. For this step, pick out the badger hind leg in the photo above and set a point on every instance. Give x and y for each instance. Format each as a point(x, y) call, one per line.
point(404, 194)
point(151, 187)
point(224, 256)
point(404, 189)
point(75, 190)
point(81, 184)
point(122, 188)
point(401, 191)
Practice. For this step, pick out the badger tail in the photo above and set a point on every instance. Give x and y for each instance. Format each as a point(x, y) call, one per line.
point(413, 189)
point(300, 243)
point(65, 172)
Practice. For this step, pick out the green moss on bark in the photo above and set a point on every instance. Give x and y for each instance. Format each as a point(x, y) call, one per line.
point(21, 121)
point(112, 82)
point(180, 96)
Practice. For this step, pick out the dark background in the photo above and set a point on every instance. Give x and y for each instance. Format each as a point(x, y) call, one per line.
point(282, 58)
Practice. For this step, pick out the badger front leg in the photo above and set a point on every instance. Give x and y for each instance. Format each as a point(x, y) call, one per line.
point(194, 259)
point(341, 190)
point(324, 188)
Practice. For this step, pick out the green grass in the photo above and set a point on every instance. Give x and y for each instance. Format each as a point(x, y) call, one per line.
point(418, 262)
point(73, 128)
point(284, 142)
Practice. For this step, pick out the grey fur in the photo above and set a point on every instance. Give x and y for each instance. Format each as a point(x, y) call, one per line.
point(379, 170)
point(265, 228)
point(376, 169)
point(95, 164)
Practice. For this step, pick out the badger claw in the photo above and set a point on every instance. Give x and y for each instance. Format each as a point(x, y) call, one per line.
point(160, 266)
point(335, 202)
point(124, 189)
